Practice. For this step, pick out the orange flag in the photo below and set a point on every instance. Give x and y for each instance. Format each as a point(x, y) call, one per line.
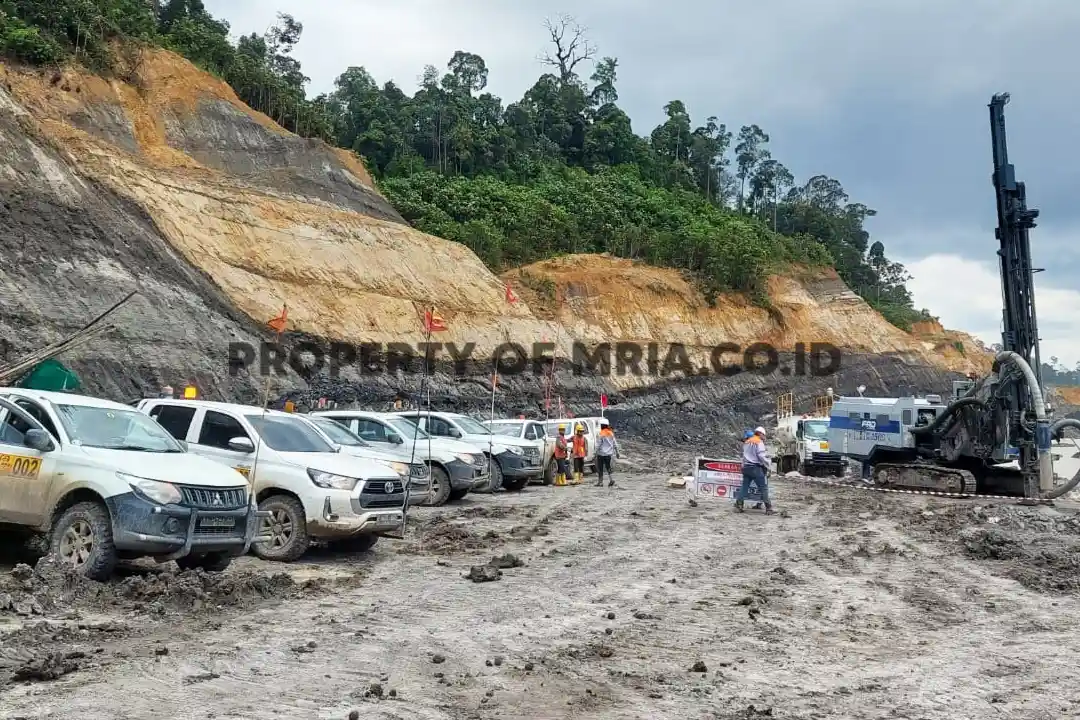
point(433, 322)
point(278, 324)
point(510, 296)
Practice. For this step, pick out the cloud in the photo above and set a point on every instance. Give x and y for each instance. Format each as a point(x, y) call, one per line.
point(966, 295)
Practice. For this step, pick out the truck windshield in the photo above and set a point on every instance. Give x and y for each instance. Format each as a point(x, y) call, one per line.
point(471, 426)
point(510, 429)
point(102, 427)
point(816, 429)
point(288, 434)
point(337, 433)
point(406, 428)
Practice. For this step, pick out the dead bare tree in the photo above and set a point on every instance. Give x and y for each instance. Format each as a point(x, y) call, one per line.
point(572, 47)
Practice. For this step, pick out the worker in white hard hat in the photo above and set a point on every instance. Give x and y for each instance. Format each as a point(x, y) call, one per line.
point(755, 470)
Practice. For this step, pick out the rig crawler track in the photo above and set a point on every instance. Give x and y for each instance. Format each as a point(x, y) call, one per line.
point(924, 478)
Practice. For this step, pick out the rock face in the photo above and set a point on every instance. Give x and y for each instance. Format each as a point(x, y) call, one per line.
point(161, 180)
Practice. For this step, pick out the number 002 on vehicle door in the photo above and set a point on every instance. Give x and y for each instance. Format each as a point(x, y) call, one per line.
point(19, 465)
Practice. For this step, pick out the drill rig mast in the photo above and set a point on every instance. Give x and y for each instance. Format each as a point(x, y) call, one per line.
point(967, 445)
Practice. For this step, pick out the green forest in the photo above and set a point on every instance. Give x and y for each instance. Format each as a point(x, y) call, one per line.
point(561, 170)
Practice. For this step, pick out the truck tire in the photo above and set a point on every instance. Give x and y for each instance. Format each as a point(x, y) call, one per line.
point(496, 479)
point(82, 537)
point(210, 562)
point(358, 544)
point(549, 473)
point(440, 487)
point(456, 495)
point(288, 525)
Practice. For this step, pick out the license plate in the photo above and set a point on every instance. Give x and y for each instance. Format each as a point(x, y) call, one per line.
point(21, 466)
point(217, 522)
point(389, 520)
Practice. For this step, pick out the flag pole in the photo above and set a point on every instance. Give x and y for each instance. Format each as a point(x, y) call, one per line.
point(281, 321)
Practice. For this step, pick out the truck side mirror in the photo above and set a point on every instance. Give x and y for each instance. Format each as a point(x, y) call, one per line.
point(455, 433)
point(38, 439)
point(394, 439)
point(242, 444)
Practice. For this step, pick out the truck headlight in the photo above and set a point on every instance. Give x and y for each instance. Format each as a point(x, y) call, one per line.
point(513, 450)
point(330, 481)
point(399, 467)
point(162, 493)
point(466, 458)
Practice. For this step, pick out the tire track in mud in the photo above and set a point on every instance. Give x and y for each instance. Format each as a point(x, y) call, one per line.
point(834, 608)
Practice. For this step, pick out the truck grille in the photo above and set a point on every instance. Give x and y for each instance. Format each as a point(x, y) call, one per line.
point(531, 452)
point(382, 494)
point(418, 470)
point(827, 458)
point(205, 498)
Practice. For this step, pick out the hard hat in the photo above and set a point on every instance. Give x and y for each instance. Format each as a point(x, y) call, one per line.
point(759, 431)
point(562, 427)
point(747, 434)
point(580, 427)
point(605, 423)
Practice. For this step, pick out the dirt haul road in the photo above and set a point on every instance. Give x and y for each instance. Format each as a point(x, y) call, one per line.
point(629, 604)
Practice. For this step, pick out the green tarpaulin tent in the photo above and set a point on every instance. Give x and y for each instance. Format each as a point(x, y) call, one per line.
point(50, 375)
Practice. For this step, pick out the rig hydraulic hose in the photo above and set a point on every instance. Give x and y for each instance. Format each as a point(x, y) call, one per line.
point(1067, 487)
point(1042, 423)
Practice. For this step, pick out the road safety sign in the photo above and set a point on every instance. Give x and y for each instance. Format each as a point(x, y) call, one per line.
point(719, 479)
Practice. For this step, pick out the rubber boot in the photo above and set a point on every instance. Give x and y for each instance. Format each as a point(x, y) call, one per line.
point(579, 478)
point(599, 480)
point(768, 509)
point(739, 506)
point(560, 479)
point(611, 481)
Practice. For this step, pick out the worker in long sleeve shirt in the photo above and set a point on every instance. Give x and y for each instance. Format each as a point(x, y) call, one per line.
point(756, 465)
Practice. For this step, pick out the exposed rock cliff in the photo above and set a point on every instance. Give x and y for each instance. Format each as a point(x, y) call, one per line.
point(164, 181)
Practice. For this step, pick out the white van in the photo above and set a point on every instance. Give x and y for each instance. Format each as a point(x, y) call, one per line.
point(105, 483)
point(311, 490)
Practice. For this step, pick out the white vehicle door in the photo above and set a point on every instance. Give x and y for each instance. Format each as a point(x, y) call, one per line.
point(378, 434)
point(210, 436)
point(26, 474)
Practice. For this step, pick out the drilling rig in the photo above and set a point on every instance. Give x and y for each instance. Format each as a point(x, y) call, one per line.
point(993, 435)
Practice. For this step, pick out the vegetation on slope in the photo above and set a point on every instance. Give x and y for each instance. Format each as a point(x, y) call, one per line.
point(561, 170)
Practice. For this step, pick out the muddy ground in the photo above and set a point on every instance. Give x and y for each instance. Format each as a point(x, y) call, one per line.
point(616, 603)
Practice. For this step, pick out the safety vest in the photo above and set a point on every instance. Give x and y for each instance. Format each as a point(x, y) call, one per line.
point(579, 446)
point(560, 448)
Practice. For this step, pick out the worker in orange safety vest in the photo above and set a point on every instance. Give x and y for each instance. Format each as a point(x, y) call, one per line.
point(562, 465)
point(579, 450)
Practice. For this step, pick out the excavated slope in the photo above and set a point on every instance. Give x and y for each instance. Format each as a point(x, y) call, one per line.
point(165, 181)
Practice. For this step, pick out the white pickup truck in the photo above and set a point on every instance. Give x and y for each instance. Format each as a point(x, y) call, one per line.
point(105, 483)
point(310, 489)
point(456, 467)
point(531, 431)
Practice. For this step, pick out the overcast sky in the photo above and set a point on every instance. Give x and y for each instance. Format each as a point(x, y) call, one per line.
point(889, 97)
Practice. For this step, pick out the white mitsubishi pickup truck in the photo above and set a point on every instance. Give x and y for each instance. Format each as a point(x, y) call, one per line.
point(105, 483)
point(310, 489)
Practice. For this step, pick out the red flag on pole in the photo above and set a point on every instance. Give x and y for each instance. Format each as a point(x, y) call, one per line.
point(278, 324)
point(603, 400)
point(510, 296)
point(433, 322)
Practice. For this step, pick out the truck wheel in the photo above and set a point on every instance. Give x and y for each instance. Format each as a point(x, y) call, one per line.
point(210, 562)
point(440, 488)
point(496, 480)
point(458, 494)
point(288, 529)
point(82, 538)
point(549, 473)
point(360, 543)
